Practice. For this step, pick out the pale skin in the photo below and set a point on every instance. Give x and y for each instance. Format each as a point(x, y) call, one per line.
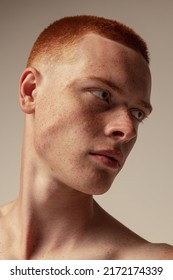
point(78, 112)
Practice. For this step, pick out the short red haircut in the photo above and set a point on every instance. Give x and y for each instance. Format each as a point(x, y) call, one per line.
point(68, 31)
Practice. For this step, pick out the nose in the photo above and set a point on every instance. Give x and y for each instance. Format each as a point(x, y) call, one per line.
point(121, 126)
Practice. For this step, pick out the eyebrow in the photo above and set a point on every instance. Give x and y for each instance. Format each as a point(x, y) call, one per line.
point(146, 105)
point(105, 81)
point(111, 84)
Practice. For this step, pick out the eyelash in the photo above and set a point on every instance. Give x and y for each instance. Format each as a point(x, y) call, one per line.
point(106, 93)
point(94, 91)
point(139, 112)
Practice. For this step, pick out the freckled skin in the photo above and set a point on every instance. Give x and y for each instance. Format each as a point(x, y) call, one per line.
point(66, 119)
point(73, 115)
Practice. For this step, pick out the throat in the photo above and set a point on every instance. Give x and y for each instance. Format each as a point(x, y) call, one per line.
point(50, 227)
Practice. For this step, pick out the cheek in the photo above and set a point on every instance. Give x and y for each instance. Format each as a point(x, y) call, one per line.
point(62, 130)
point(48, 123)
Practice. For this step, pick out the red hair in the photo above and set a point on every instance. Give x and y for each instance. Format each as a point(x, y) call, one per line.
point(67, 31)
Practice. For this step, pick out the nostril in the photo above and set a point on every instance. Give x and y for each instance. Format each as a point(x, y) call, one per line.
point(118, 133)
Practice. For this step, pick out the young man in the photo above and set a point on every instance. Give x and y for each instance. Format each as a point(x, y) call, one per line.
point(84, 92)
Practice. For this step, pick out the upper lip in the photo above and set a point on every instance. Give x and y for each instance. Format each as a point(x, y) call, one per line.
point(115, 154)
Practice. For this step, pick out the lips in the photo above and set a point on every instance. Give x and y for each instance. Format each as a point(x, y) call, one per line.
point(110, 158)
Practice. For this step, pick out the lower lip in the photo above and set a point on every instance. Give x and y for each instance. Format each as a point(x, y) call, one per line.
point(113, 164)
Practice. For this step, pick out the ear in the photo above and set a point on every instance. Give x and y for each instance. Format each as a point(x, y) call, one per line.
point(28, 90)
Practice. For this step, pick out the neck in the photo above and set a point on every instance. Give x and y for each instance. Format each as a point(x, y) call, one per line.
point(50, 213)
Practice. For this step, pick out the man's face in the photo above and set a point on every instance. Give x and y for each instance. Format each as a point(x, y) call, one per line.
point(87, 113)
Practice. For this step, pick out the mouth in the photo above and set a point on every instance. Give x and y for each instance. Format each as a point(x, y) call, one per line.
point(111, 159)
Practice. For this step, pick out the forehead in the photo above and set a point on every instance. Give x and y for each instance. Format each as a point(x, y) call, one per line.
point(98, 49)
point(97, 55)
point(95, 49)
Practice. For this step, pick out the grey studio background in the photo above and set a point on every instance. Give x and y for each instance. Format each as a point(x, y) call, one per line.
point(141, 197)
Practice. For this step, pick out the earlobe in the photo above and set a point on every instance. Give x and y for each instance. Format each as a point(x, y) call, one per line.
point(27, 90)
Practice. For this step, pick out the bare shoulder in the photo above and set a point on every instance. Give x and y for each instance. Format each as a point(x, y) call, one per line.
point(149, 251)
point(7, 236)
point(125, 244)
point(4, 209)
point(4, 215)
point(119, 241)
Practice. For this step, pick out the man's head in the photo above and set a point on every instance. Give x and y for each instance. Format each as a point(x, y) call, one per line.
point(83, 113)
point(65, 33)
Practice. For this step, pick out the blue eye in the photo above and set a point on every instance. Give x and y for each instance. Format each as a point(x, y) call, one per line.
point(101, 94)
point(138, 114)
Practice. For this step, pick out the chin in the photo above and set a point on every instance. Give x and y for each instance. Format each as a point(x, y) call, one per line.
point(97, 189)
point(101, 191)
